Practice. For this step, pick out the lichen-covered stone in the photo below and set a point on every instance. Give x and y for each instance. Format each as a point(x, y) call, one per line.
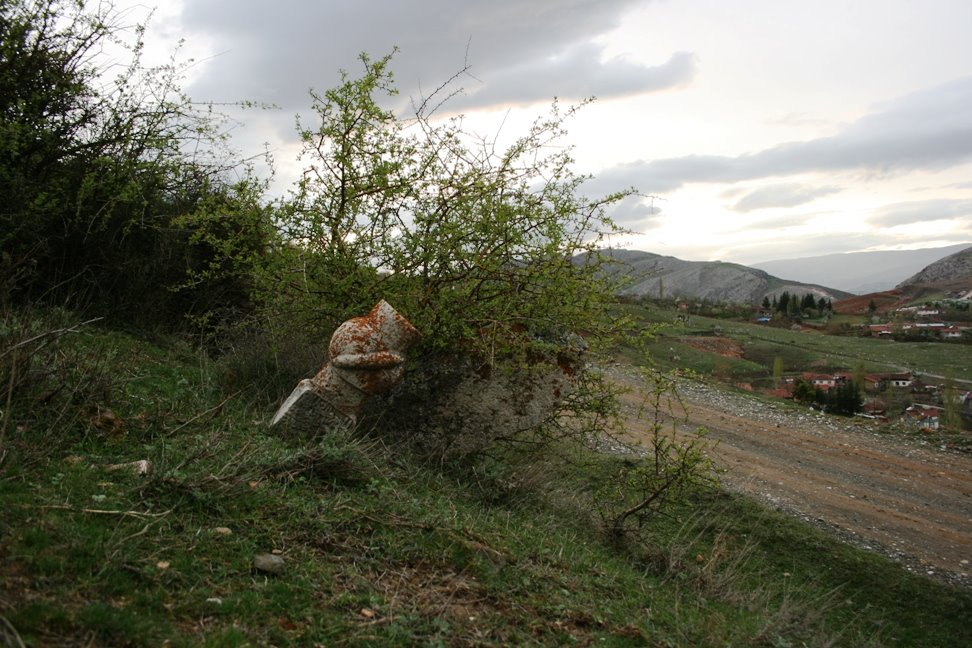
point(367, 357)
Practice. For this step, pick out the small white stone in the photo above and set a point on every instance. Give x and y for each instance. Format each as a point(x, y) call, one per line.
point(270, 563)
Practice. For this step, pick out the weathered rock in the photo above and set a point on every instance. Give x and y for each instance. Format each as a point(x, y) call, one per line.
point(140, 467)
point(367, 357)
point(270, 563)
point(458, 405)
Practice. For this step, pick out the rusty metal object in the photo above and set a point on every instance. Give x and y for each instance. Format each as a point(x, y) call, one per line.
point(367, 357)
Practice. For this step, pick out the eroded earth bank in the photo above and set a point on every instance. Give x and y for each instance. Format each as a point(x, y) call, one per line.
point(900, 495)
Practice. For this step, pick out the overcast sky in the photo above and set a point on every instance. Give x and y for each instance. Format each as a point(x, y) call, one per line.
point(766, 129)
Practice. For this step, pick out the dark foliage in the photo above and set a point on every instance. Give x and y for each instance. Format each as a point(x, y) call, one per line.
point(94, 170)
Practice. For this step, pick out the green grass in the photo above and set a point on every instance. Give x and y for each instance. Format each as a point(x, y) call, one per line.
point(382, 549)
point(670, 353)
point(762, 343)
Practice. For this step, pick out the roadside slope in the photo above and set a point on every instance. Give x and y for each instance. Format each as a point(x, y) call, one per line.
point(906, 499)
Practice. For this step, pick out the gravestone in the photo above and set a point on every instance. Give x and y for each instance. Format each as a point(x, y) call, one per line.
point(367, 357)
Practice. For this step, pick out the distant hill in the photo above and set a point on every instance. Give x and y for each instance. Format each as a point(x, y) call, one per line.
point(956, 266)
point(859, 272)
point(645, 273)
point(948, 277)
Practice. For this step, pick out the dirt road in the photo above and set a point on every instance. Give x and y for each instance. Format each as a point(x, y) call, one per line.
point(897, 495)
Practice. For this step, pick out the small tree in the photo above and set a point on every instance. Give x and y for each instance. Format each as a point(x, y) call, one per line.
point(808, 303)
point(844, 399)
point(951, 404)
point(491, 252)
point(804, 392)
point(859, 376)
point(643, 485)
point(476, 246)
point(777, 370)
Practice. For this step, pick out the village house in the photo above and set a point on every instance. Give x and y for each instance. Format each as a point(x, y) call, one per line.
point(952, 333)
point(923, 417)
point(825, 382)
point(880, 382)
point(881, 330)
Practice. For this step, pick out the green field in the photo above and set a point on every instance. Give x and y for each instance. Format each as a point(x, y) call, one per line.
point(805, 349)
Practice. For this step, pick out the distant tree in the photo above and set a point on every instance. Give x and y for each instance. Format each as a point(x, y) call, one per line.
point(860, 375)
point(821, 307)
point(783, 303)
point(777, 370)
point(803, 391)
point(952, 403)
point(808, 303)
point(845, 399)
point(871, 307)
point(775, 303)
point(793, 308)
point(766, 303)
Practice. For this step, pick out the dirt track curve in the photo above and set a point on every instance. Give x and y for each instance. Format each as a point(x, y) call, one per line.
point(897, 495)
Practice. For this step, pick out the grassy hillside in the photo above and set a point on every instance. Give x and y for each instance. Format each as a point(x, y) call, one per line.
point(377, 547)
point(761, 344)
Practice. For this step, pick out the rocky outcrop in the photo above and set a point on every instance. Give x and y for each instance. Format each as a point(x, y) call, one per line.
point(953, 267)
point(652, 275)
point(456, 406)
point(858, 272)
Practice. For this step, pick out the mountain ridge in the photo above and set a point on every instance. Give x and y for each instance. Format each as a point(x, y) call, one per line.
point(954, 267)
point(655, 275)
point(859, 272)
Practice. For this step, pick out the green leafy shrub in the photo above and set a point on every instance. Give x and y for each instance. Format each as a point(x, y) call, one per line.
point(96, 166)
point(489, 250)
point(643, 483)
point(476, 245)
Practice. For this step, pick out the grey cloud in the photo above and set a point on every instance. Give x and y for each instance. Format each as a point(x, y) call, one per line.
point(921, 211)
point(781, 195)
point(663, 176)
point(927, 130)
point(520, 52)
point(635, 214)
point(578, 74)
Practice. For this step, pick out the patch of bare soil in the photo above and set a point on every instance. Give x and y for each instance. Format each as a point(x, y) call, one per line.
point(897, 495)
point(726, 347)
